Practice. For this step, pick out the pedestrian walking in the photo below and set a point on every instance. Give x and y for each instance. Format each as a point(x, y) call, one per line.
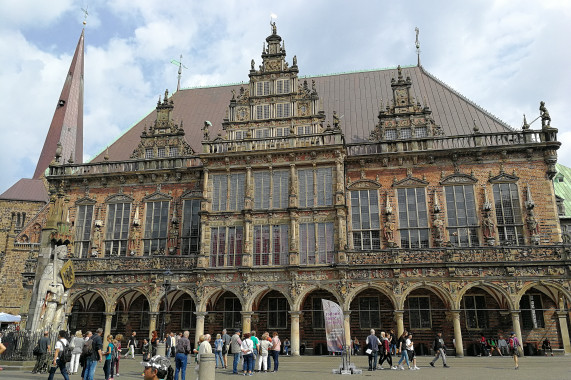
point(440, 349)
point(59, 361)
point(372, 343)
point(218, 344)
point(182, 350)
point(43, 349)
point(131, 345)
point(514, 344)
point(410, 352)
point(386, 351)
point(403, 351)
point(276, 348)
point(235, 347)
point(226, 338)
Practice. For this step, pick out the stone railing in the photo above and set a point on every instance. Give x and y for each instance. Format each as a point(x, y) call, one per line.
point(27, 246)
point(132, 263)
point(452, 142)
point(287, 142)
point(459, 255)
point(107, 167)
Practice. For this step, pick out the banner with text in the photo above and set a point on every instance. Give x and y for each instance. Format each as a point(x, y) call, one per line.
point(334, 331)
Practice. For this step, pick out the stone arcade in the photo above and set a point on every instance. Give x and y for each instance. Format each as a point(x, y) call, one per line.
point(384, 191)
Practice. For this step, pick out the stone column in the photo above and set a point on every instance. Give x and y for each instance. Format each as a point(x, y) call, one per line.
point(457, 333)
point(398, 315)
point(562, 315)
point(200, 315)
point(517, 327)
point(246, 321)
point(295, 332)
point(152, 323)
point(107, 329)
point(347, 327)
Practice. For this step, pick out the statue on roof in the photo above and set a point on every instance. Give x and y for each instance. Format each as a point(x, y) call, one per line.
point(545, 118)
point(205, 130)
point(252, 63)
point(295, 60)
point(274, 28)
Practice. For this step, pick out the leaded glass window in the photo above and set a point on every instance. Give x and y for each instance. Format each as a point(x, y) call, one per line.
point(317, 318)
point(305, 192)
point(413, 217)
point(188, 320)
point(283, 86)
point(531, 312)
point(419, 312)
point(83, 225)
point(263, 111)
point(316, 243)
point(237, 184)
point(369, 313)
point(262, 88)
point(280, 189)
point(271, 245)
point(476, 313)
point(324, 186)
point(232, 313)
point(262, 193)
point(219, 192)
point(277, 313)
point(405, 133)
point(508, 213)
point(226, 245)
point(156, 227)
point(390, 134)
point(462, 218)
point(365, 220)
point(117, 229)
point(283, 110)
point(190, 227)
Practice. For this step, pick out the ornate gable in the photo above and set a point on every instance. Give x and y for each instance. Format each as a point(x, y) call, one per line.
point(410, 181)
point(458, 179)
point(85, 201)
point(119, 198)
point(504, 177)
point(364, 184)
point(157, 196)
point(164, 138)
point(404, 118)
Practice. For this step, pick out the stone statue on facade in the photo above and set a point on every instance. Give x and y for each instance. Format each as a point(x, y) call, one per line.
point(205, 130)
point(390, 232)
point(488, 228)
point(545, 118)
point(252, 64)
point(53, 295)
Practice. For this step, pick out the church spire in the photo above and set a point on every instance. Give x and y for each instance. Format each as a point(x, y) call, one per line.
point(67, 123)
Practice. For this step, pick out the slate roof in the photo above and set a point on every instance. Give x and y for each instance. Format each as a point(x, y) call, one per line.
point(355, 96)
point(562, 185)
point(33, 190)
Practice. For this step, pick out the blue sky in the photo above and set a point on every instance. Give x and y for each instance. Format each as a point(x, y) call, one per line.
point(506, 56)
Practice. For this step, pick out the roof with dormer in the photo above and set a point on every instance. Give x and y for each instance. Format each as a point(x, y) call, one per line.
point(356, 98)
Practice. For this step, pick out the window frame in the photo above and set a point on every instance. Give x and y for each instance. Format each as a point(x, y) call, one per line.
point(369, 311)
point(190, 232)
point(478, 313)
point(419, 310)
point(533, 314)
point(501, 206)
point(83, 230)
point(468, 230)
point(265, 237)
point(281, 315)
point(110, 236)
point(230, 254)
point(357, 220)
point(233, 316)
point(151, 236)
point(403, 209)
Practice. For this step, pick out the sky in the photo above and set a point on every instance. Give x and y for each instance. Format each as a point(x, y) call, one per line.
point(506, 56)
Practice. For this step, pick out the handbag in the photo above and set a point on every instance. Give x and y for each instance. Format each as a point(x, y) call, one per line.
point(369, 351)
point(37, 351)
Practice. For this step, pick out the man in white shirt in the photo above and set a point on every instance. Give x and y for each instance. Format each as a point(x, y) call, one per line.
point(58, 361)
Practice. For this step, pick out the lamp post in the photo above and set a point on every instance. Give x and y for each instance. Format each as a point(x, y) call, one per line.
point(166, 287)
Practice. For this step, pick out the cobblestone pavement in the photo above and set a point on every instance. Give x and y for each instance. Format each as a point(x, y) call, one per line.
point(320, 367)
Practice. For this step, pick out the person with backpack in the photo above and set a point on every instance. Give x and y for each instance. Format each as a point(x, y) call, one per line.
point(514, 344)
point(60, 355)
point(95, 355)
point(107, 370)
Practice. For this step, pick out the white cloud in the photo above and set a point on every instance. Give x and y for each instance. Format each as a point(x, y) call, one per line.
point(504, 55)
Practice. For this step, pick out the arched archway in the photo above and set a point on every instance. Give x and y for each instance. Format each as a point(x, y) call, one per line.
point(131, 314)
point(484, 310)
point(87, 312)
point(426, 312)
point(177, 314)
point(271, 313)
point(370, 308)
point(312, 324)
point(224, 312)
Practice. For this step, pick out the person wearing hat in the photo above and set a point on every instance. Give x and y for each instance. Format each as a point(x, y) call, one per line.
point(236, 347)
point(158, 367)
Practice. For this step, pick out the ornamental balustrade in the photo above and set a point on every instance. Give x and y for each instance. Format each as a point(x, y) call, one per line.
point(452, 142)
point(286, 142)
point(106, 167)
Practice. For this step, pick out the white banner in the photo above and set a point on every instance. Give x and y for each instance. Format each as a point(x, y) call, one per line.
point(334, 330)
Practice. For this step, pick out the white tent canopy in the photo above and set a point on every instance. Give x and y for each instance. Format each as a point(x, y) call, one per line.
point(5, 317)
